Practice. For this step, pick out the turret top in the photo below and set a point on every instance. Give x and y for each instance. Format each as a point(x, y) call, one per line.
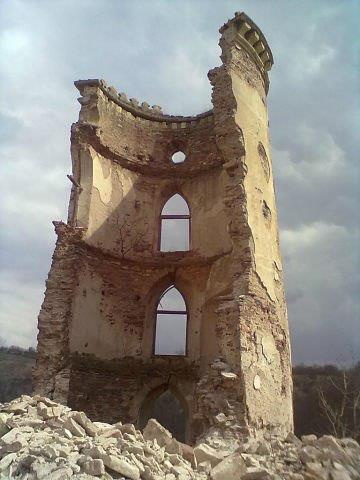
point(243, 31)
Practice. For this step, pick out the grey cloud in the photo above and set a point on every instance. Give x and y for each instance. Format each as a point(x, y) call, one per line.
point(320, 265)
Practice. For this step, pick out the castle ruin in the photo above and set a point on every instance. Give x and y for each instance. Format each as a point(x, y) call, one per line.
point(167, 276)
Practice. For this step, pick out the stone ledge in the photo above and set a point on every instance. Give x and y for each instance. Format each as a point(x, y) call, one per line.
point(147, 367)
point(158, 260)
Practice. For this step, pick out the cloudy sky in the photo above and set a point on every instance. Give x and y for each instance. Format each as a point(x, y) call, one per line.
point(159, 51)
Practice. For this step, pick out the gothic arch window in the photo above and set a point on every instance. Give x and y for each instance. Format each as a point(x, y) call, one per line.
point(171, 324)
point(175, 225)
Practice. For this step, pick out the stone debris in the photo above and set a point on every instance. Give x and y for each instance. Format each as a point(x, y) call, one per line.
point(41, 440)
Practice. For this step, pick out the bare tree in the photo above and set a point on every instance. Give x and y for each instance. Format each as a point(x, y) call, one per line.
point(340, 402)
point(127, 240)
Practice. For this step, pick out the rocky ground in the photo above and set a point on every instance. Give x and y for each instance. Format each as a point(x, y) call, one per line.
point(41, 439)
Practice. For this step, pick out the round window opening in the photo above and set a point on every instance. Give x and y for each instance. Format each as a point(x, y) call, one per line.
point(178, 157)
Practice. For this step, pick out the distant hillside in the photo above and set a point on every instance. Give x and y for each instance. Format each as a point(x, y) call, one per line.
point(15, 372)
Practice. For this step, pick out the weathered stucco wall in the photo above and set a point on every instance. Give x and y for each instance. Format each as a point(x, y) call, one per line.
point(101, 348)
point(117, 197)
point(114, 307)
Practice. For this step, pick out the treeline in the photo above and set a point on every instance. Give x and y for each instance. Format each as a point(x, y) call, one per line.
point(15, 350)
point(326, 398)
point(16, 366)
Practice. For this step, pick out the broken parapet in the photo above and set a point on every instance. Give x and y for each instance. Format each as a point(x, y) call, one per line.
point(132, 105)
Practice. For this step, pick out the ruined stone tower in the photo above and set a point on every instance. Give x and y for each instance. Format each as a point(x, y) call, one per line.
point(167, 276)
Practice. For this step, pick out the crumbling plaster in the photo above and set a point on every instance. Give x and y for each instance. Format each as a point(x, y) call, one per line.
point(108, 273)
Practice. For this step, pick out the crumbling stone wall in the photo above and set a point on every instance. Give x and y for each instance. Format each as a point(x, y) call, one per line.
point(97, 323)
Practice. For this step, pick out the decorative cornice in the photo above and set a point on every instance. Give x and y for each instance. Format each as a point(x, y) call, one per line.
point(133, 106)
point(242, 33)
point(249, 34)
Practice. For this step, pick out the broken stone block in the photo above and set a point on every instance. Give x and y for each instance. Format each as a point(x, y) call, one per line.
point(43, 470)
point(50, 452)
point(339, 475)
point(74, 427)
point(263, 448)
point(258, 474)
point(316, 469)
point(308, 454)
point(250, 461)
point(173, 446)
point(46, 401)
point(3, 427)
point(220, 419)
point(126, 428)
point(250, 446)
point(149, 475)
point(102, 425)
point(133, 448)
point(155, 431)
point(63, 473)
point(291, 438)
point(188, 453)
point(85, 423)
point(17, 407)
point(181, 472)
point(94, 467)
point(14, 440)
point(6, 461)
point(204, 453)
point(120, 465)
point(110, 433)
point(350, 443)
point(94, 451)
point(308, 439)
point(231, 467)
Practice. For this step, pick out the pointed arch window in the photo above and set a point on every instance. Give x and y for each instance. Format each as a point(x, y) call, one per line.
point(171, 324)
point(175, 225)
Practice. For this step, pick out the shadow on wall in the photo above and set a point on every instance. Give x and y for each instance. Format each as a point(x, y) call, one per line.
point(123, 212)
point(164, 405)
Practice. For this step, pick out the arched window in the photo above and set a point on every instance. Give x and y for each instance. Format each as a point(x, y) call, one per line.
point(171, 324)
point(175, 225)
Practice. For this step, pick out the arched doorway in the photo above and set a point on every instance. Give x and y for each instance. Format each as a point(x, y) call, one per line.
point(169, 410)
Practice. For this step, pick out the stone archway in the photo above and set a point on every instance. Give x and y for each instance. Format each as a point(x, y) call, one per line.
point(167, 408)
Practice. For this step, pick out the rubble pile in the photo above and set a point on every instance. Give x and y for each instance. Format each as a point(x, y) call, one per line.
point(41, 439)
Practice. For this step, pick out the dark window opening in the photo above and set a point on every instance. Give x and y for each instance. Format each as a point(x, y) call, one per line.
point(175, 225)
point(171, 324)
point(167, 409)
